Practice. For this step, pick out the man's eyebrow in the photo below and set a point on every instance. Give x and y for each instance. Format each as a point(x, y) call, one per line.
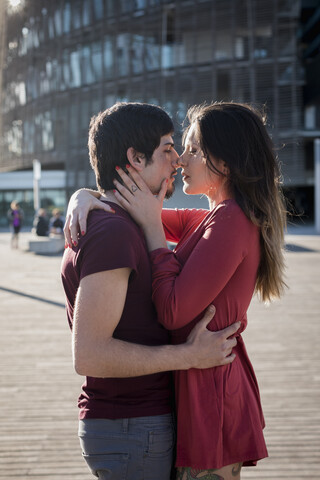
point(169, 143)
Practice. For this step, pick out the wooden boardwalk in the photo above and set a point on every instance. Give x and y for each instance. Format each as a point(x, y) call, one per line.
point(38, 413)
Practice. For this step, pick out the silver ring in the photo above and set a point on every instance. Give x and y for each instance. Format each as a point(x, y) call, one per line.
point(134, 188)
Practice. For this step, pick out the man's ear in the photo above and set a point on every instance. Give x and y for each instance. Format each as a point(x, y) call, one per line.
point(136, 159)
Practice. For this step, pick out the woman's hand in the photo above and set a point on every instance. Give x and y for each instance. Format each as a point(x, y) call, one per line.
point(144, 207)
point(80, 204)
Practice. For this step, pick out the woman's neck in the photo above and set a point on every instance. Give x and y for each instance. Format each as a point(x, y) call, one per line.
point(215, 198)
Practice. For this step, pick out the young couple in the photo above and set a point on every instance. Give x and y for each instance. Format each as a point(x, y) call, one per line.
point(125, 290)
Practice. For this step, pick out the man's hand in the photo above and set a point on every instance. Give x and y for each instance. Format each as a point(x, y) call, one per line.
point(211, 349)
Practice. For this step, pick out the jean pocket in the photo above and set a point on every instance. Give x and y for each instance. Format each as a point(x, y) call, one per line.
point(158, 459)
point(108, 466)
point(160, 441)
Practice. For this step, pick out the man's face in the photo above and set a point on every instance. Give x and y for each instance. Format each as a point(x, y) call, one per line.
point(163, 165)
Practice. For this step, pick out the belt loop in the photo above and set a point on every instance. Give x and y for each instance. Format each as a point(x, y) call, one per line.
point(125, 425)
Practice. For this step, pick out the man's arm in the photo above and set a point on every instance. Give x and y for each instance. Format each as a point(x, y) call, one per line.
point(99, 305)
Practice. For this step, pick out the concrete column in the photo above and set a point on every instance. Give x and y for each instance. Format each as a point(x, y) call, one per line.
point(36, 186)
point(317, 184)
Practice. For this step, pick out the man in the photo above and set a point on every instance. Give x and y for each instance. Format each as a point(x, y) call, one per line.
point(126, 428)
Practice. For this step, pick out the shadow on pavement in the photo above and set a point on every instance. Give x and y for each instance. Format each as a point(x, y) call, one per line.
point(32, 297)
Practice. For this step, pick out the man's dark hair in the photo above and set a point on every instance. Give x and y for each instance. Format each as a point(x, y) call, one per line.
point(124, 125)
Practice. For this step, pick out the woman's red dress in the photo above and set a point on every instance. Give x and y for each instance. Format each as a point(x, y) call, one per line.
point(219, 415)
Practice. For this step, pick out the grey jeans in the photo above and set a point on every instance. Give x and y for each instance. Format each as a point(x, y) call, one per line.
point(138, 448)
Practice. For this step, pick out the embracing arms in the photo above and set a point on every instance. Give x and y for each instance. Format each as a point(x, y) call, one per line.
point(97, 354)
point(84, 200)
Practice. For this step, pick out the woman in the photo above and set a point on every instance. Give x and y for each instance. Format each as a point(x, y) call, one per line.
point(223, 256)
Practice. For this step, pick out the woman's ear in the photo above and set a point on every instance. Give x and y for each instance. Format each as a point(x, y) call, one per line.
point(136, 159)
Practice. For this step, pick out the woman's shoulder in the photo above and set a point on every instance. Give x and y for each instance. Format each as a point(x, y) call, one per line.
point(230, 212)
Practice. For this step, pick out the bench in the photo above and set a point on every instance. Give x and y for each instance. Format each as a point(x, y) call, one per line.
point(47, 245)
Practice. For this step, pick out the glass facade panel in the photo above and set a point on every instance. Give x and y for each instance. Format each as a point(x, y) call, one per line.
point(57, 22)
point(47, 131)
point(286, 42)
point(223, 45)
point(75, 69)
point(28, 135)
point(73, 126)
point(126, 6)
point(123, 43)
point(111, 7)
point(51, 27)
point(136, 53)
point(67, 18)
point(108, 56)
point(263, 42)
point(13, 138)
point(87, 71)
point(152, 53)
point(97, 64)
point(66, 71)
point(224, 85)
point(86, 13)
point(76, 15)
point(98, 9)
point(140, 4)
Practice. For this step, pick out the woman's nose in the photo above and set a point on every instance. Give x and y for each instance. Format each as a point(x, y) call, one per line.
point(180, 161)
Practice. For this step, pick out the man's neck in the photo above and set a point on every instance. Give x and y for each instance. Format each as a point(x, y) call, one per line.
point(110, 197)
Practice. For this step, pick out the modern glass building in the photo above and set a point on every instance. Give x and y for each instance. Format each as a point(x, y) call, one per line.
point(64, 61)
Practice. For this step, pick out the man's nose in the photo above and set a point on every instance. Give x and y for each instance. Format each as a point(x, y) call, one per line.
point(176, 159)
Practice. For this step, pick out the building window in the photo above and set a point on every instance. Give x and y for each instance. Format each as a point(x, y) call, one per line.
point(108, 57)
point(76, 15)
point(75, 69)
point(168, 37)
point(136, 53)
point(223, 86)
point(152, 53)
point(86, 13)
point(123, 42)
point(96, 58)
point(67, 18)
point(98, 9)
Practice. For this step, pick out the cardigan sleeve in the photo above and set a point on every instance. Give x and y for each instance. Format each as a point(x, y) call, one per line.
point(176, 221)
point(181, 292)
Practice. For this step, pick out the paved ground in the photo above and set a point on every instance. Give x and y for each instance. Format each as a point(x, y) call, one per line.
point(38, 413)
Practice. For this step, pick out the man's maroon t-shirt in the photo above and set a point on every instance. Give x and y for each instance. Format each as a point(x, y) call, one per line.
point(115, 241)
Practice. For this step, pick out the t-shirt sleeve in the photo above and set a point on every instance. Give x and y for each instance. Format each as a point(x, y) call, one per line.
point(181, 293)
point(110, 246)
point(176, 221)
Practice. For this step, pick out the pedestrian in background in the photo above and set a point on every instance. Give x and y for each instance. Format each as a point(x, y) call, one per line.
point(41, 223)
point(56, 222)
point(15, 216)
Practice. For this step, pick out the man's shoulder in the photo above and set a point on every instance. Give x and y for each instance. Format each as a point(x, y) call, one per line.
point(100, 221)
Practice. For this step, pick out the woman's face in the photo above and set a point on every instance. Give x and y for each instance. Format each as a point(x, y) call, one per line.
point(196, 176)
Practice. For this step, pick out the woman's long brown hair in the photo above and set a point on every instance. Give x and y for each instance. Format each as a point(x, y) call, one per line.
point(236, 133)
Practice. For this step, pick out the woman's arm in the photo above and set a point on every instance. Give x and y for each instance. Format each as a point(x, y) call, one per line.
point(182, 292)
point(177, 221)
point(80, 204)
